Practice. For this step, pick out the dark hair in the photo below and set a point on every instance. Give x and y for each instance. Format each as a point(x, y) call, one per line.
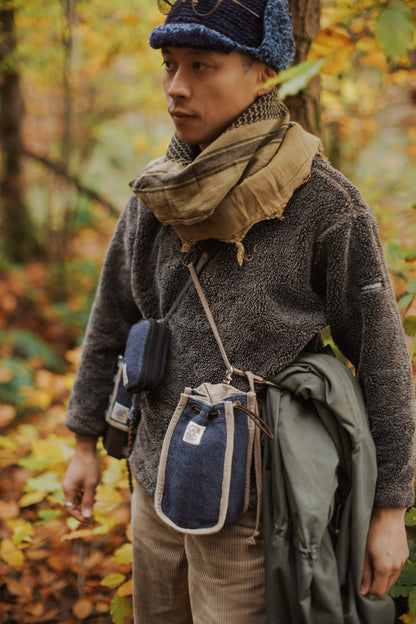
point(247, 60)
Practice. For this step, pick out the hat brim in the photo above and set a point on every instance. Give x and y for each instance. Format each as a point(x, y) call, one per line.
point(194, 36)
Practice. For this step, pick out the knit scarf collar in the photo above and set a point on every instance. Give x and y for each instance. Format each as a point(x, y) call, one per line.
point(247, 175)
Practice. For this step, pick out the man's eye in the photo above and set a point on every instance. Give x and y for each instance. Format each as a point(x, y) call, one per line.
point(198, 66)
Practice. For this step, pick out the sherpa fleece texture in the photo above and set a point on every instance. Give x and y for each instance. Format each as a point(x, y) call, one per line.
point(322, 264)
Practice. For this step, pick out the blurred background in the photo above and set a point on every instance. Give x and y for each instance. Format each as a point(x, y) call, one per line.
point(81, 112)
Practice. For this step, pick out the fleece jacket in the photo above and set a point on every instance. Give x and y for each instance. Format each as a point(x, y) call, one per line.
point(321, 265)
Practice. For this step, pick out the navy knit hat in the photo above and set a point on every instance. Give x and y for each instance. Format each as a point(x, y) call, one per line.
point(230, 27)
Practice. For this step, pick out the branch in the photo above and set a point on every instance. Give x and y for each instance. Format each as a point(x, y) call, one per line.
point(61, 170)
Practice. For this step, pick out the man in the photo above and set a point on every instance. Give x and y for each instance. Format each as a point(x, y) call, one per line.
point(299, 250)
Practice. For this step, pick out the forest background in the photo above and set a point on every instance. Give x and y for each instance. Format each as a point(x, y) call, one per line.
point(81, 111)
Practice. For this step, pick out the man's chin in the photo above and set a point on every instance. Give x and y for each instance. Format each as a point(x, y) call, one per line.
point(194, 139)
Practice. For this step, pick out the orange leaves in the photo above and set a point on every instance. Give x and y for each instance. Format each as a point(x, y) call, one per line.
point(83, 608)
point(55, 566)
point(126, 589)
point(7, 415)
point(411, 150)
point(8, 510)
point(336, 47)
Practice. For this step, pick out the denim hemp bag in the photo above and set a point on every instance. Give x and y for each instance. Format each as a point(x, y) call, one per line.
point(204, 472)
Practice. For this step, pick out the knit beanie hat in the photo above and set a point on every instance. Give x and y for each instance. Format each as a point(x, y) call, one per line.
point(231, 27)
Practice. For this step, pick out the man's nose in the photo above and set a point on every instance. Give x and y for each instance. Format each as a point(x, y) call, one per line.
point(179, 86)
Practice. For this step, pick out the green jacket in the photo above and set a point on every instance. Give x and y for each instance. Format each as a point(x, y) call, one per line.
point(319, 483)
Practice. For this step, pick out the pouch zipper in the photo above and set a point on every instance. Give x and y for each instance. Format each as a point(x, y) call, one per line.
point(154, 326)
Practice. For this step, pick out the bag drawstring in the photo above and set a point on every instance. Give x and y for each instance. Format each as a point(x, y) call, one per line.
point(256, 419)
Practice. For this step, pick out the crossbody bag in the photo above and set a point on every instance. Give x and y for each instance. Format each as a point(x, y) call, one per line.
point(206, 461)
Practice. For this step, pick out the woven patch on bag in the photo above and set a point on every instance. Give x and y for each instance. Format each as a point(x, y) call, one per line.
point(120, 413)
point(193, 433)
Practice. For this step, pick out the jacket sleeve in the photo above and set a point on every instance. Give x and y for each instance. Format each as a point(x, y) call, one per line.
point(366, 326)
point(112, 315)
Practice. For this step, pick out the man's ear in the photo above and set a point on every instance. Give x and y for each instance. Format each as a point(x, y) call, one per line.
point(265, 81)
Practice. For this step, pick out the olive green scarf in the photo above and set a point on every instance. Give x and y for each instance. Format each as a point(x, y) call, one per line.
point(245, 176)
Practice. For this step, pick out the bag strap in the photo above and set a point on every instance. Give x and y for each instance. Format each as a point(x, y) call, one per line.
point(231, 370)
point(210, 318)
point(202, 262)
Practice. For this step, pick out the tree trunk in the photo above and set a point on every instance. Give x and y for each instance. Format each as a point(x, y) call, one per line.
point(16, 226)
point(305, 106)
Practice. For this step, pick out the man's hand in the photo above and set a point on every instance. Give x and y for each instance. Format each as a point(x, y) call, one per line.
point(386, 551)
point(81, 479)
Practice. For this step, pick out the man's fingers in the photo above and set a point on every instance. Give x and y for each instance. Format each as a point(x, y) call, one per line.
point(367, 577)
point(87, 504)
point(380, 583)
point(378, 579)
point(80, 481)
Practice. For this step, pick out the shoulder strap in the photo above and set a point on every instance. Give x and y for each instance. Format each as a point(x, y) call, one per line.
point(230, 369)
point(202, 261)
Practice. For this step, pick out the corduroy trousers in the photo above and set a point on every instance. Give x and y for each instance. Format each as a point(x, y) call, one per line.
point(195, 579)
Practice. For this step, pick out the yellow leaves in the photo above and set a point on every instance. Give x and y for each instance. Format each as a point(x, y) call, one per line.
point(336, 47)
point(113, 580)
point(408, 619)
point(371, 54)
point(108, 498)
point(48, 451)
point(123, 555)
point(8, 443)
point(32, 498)
point(81, 534)
point(12, 555)
point(22, 531)
point(47, 386)
point(106, 523)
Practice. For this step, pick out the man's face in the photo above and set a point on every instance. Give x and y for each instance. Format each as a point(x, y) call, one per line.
point(206, 91)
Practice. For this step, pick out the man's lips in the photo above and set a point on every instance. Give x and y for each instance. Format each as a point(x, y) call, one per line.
point(179, 114)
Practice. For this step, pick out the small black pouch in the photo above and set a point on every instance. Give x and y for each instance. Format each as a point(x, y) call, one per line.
point(144, 361)
point(140, 369)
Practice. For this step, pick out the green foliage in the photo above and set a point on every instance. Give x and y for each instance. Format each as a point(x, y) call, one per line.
point(395, 29)
point(26, 344)
point(409, 324)
point(20, 377)
point(296, 78)
point(120, 609)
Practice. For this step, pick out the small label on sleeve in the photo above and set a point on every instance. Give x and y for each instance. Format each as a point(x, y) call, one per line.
point(373, 286)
